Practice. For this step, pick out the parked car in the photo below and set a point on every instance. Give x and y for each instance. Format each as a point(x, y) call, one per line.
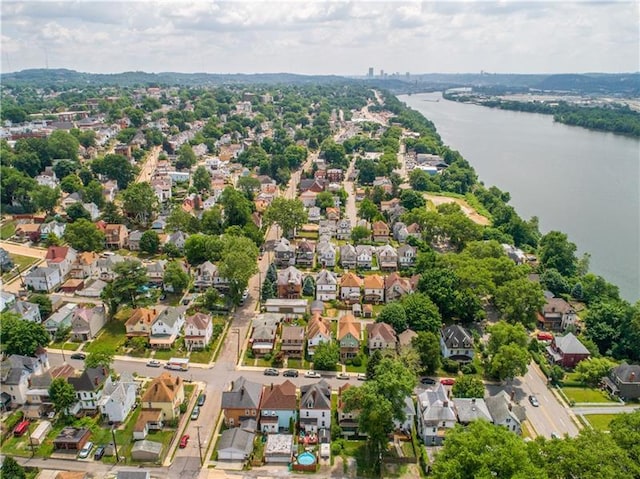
point(201, 399)
point(312, 374)
point(245, 295)
point(290, 373)
point(184, 440)
point(99, 453)
point(555, 435)
point(426, 380)
point(271, 372)
point(534, 401)
point(542, 336)
point(361, 377)
point(154, 363)
point(342, 376)
point(79, 356)
point(195, 413)
point(448, 381)
point(86, 450)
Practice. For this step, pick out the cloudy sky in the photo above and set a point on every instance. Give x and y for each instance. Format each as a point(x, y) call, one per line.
point(321, 37)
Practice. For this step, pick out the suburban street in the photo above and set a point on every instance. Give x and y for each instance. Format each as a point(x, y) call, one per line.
point(149, 166)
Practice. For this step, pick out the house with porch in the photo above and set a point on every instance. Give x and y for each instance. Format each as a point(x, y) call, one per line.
point(293, 338)
point(326, 253)
point(318, 331)
point(289, 283)
point(396, 286)
point(364, 256)
point(326, 285)
point(62, 258)
point(387, 258)
point(86, 322)
point(263, 338)
point(241, 402)
point(624, 381)
point(505, 412)
point(315, 407)
point(567, 351)
point(140, 322)
point(348, 256)
point(43, 279)
point(437, 415)
point(284, 253)
point(406, 256)
point(348, 421)
point(380, 231)
point(373, 289)
point(116, 236)
point(381, 336)
point(118, 398)
point(198, 331)
point(166, 392)
point(350, 286)
point(85, 265)
point(88, 387)
point(16, 372)
point(166, 327)
point(278, 407)
point(557, 315)
point(343, 229)
point(456, 343)
point(305, 253)
point(349, 332)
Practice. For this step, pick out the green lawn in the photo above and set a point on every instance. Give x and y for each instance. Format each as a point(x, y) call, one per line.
point(580, 395)
point(20, 264)
point(177, 351)
point(67, 346)
point(297, 364)
point(7, 230)
point(600, 421)
point(113, 336)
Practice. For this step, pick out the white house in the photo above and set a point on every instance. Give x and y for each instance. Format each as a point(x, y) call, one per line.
point(43, 279)
point(88, 387)
point(198, 331)
point(437, 415)
point(62, 258)
point(315, 407)
point(326, 285)
point(118, 398)
point(456, 343)
point(166, 328)
point(318, 331)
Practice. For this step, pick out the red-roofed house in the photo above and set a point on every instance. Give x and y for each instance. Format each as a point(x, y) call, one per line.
point(278, 407)
point(61, 258)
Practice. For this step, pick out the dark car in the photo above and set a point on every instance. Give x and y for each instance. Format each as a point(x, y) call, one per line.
point(534, 401)
point(79, 356)
point(99, 453)
point(290, 373)
point(427, 381)
point(271, 372)
point(201, 399)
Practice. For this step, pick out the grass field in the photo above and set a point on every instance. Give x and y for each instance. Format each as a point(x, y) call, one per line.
point(112, 337)
point(67, 346)
point(600, 421)
point(7, 230)
point(20, 263)
point(580, 395)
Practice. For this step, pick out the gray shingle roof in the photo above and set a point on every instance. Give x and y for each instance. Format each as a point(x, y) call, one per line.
point(457, 337)
point(569, 344)
point(244, 394)
point(236, 439)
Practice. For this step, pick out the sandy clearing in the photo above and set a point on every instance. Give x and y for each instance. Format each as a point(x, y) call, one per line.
point(468, 210)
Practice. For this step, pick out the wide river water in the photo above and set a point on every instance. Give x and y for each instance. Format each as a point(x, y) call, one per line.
point(581, 182)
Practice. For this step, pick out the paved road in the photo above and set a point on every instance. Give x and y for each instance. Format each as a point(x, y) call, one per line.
point(605, 409)
point(149, 166)
point(30, 251)
point(351, 211)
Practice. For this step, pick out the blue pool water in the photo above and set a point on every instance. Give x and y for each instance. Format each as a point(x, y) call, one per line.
point(306, 459)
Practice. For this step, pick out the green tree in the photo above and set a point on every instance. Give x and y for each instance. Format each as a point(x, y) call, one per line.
point(308, 286)
point(62, 395)
point(334, 154)
point(186, 157)
point(150, 242)
point(101, 357)
point(360, 233)
point(180, 220)
point(115, 167)
point(519, 300)
point(92, 193)
point(468, 387)
point(503, 333)
point(427, 345)
point(268, 290)
point(83, 235)
point(176, 277)
point(394, 315)
point(324, 200)
point(238, 265)
point(21, 337)
point(510, 361)
point(422, 313)
point(11, 469)
point(64, 168)
point(76, 212)
point(212, 221)
point(412, 199)
point(131, 276)
point(625, 431)
point(248, 185)
point(140, 203)
point(201, 179)
point(368, 210)
point(237, 208)
point(111, 214)
point(44, 304)
point(71, 184)
point(288, 214)
point(557, 252)
point(591, 371)
point(45, 198)
point(552, 280)
point(62, 145)
point(326, 356)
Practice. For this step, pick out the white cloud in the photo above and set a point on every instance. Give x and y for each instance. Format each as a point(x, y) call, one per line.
point(321, 36)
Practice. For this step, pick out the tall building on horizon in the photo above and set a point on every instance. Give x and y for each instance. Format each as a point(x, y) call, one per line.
point(370, 74)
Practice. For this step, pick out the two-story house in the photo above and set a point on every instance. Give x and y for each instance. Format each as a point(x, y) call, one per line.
point(318, 331)
point(278, 407)
point(364, 256)
point(456, 343)
point(289, 283)
point(43, 279)
point(155, 271)
point(387, 258)
point(61, 319)
point(349, 332)
point(315, 408)
point(292, 341)
point(380, 231)
point(343, 229)
point(241, 402)
point(166, 327)
point(348, 256)
point(373, 289)
point(140, 322)
point(381, 336)
point(284, 254)
point(85, 265)
point(406, 256)
point(106, 266)
point(205, 275)
point(134, 240)
point(624, 381)
point(505, 413)
point(350, 285)
point(437, 415)
point(118, 398)
point(328, 228)
point(198, 331)
point(326, 253)
point(396, 286)
point(27, 311)
point(15, 374)
point(305, 253)
point(326, 285)
point(557, 315)
point(62, 258)
point(116, 236)
point(86, 322)
point(567, 351)
point(166, 393)
point(348, 421)
point(263, 337)
point(88, 387)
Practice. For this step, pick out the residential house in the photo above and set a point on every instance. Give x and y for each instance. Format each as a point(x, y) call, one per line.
point(400, 232)
point(305, 253)
point(278, 407)
point(567, 350)
point(624, 381)
point(106, 266)
point(88, 388)
point(198, 331)
point(380, 231)
point(263, 337)
point(15, 373)
point(326, 285)
point(292, 341)
point(284, 253)
point(315, 407)
point(177, 239)
point(109, 190)
point(456, 343)
point(148, 420)
point(557, 315)
point(52, 227)
point(166, 392)
point(350, 285)
point(373, 289)
point(348, 256)
point(72, 438)
point(348, 421)
point(314, 185)
point(85, 265)
point(308, 198)
point(134, 240)
point(241, 402)
point(140, 322)
point(364, 258)
point(384, 183)
point(396, 286)
point(166, 327)
point(28, 232)
point(205, 275)
point(86, 322)
point(155, 271)
point(162, 188)
point(335, 175)
point(414, 231)
point(386, 206)
point(38, 402)
point(92, 209)
point(61, 319)
point(333, 214)
point(235, 444)
point(505, 413)
point(343, 229)
point(406, 256)
point(289, 283)
point(71, 199)
point(349, 332)
point(7, 300)
point(381, 336)
point(409, 417)
point(326, 253)
point(27, 311)
point(472, 409)
point(314, 214)
point(405, 339)
point(118, 398)
point(327, 227)
point(116, 236)
point(437, 414)
point(62, 258)
point(318, 331)
point(387, 258)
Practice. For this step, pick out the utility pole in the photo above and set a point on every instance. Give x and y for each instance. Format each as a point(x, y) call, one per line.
point(199, 446)
point(115, 445)
point(33, 451)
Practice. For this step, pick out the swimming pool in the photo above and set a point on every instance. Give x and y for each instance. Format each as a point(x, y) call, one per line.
point(306, 459)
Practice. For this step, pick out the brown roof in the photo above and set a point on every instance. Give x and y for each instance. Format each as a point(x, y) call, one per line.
point(55, 254)
point(147, 415)
point(347, 324)
point(350, 280)
point(199, 320)
point(380, 226)
point(71, 475)
point(145, 315)
point(374, 281)
point(292, 333)
point(87, 258)
point(163, 389)
point(382, 329)
point(318, 325)
point(280, 396)
point(556, 305)
point(28, 228)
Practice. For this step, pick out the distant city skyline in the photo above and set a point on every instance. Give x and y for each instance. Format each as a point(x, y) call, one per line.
point(321, 37)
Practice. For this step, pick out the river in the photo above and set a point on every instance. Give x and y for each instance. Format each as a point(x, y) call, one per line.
point(581, 182)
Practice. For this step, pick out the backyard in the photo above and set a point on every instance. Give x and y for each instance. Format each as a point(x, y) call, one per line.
point(113, 336)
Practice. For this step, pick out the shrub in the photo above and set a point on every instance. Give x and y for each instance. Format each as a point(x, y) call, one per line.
point(469, 368)
point(450, 366)
point(336, 447)
point(183, 407)
point(357, 361)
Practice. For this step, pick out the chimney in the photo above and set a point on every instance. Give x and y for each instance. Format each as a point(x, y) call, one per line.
point(510, 406)
point(104, 371)
point(445, 403)
point(473, 400)
point(632, 376)
point(242, 392)
point(95, 381)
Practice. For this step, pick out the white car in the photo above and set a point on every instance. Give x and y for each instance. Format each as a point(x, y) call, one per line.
point(86, 450)
point(312, 374)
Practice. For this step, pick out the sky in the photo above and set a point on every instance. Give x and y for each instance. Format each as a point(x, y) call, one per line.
point(321, 37)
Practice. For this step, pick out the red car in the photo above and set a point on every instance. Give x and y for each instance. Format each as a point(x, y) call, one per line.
point(545, 337)
point(183, 441)
point(448, 381)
